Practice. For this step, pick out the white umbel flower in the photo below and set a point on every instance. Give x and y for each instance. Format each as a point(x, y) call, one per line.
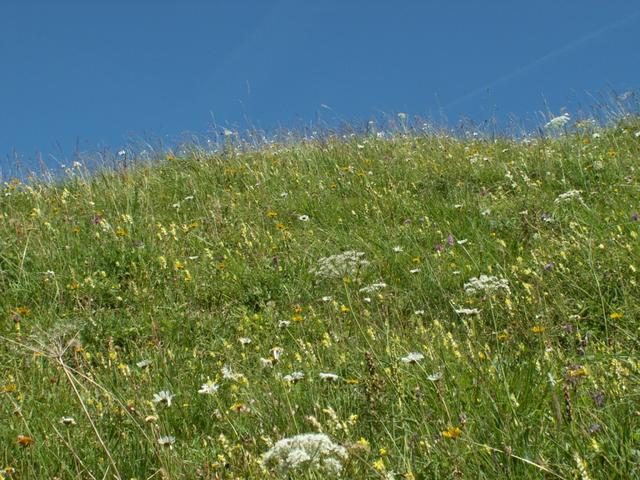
point(487, 284)
point(306, 452)
point(413, 357)
point(340, 265)
point(558, 122)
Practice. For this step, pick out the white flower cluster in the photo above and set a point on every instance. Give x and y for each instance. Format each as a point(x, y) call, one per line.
point(374, 287)
point(568, 196)
point(558, 122)
point(340, 265)
point(487, 284)
point(308, 451)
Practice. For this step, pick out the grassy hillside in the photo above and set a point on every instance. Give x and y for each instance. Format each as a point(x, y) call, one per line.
point(439, 308)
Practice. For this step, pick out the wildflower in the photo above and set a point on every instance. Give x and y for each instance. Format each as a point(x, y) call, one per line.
point(486, 284)
point(577, 372)
point(549, 265)
point(340, 265)
point(143, 363)
point(616, 316)
point(568, 196)
point(239, 408)
point(7, 472)
point(379, 465)
point(293, 377)
point(413, 357)
point(272, 214)
point(163, 396)
point(434, 377)
point(397, 249)
point(303, 218)
point(415, 270)
point(467, 311)
point(284, 323)
point(327, 298)
point(329, 377)
point(344, 309)
point(537, 329)
point(308, 451)
point(419, 312)
point(209, 388)
point(167, 441)
point(453, 432)
point(558, 122)
point(25, 440)
point(68, 421)
point(374, 287)
point(244, 340)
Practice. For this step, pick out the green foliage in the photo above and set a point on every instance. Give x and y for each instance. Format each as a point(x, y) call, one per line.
point(119, 285)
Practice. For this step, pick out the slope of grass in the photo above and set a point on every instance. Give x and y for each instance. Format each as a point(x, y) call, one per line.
point(118, 286)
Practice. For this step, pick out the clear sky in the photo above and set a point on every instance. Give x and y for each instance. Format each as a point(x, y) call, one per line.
point(94, 74)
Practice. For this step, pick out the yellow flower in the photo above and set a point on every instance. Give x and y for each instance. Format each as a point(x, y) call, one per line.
point(578, 372)
point(178, 265)
point(363, 442)
point(344, 309)
point(616, 316)
point(297, 318)
point(453, 432)
point(22, 311)
point(537, 329)
point(272, 214)
point(352, 381)
point(379, 465)
point(9, 388)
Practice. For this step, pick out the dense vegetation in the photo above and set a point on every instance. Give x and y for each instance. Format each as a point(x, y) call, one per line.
point(438, 307)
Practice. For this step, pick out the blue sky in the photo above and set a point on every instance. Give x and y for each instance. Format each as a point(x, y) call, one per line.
point(95, 74)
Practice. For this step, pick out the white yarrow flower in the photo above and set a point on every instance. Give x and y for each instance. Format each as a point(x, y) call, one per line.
point(329, 377)
point(413, 357)
point(486, 284)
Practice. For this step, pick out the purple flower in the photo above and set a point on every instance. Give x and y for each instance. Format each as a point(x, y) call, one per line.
point(439, 248)
point(635, 216)
point(450, 240)
point(549, 265)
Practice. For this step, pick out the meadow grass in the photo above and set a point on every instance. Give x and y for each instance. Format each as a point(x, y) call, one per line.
point(176, 320)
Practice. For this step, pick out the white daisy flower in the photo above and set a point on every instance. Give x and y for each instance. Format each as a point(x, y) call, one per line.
point(163, 396)
point(68, 421)
point(329, 377)
point(209, 388)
